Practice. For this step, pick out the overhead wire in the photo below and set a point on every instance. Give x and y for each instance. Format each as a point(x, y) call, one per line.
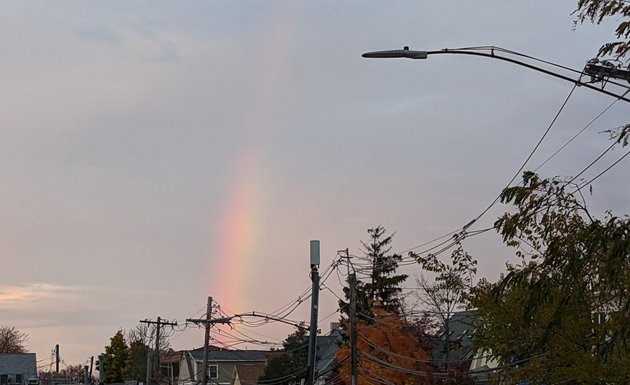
point(518, 172)
point(499, 49)
point(280, 314)
point(580, 187)
point(581, 131)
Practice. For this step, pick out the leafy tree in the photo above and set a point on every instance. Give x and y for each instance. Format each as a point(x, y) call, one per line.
point(12, 340)
point(116, 358)
point(562, 312)
point(142, 340)
point(442, 296)
point(145, 334)
point(75, 373)
point(380, 285)
point(452, 281)
point(597, 11)
point(137, 361)
point(291, 363)
point(389, 352)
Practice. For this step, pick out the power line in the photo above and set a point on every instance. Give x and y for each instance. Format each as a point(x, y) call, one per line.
point(553, 121)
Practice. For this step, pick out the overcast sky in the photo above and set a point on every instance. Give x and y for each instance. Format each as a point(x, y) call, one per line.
point(156, 153)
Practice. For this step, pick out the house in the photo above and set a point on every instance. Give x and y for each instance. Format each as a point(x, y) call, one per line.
point(245, 367)
point(247, 374)
point(225, 367)
point(460, 358)
point(454, 344)
point(454, 350)
point(327, 346)
point(18, 368)
point(481, 366)
point(169, 366)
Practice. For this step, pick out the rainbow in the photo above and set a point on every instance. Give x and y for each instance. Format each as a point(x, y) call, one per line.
point(240, 232)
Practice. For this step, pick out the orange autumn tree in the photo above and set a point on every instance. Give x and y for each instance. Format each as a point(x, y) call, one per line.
point(388, 351)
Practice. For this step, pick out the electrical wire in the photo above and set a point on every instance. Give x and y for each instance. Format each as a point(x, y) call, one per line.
point(499, 49)
point(580, 187)
point(516, 175)
point(580, 132)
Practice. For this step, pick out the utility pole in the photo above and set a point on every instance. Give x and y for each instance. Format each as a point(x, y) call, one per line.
point(91, 366)
point(353, 331)
point(352, 319)
point(57, 358)
point(158, 324)
point(206, 341)
point(207, 322)
point(312, 338)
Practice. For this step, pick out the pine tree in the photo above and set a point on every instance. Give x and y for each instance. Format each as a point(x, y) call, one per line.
point(382, 285)
point(116, 356)
point(290, 364)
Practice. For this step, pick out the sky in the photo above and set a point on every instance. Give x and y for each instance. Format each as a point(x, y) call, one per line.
point(155, 153)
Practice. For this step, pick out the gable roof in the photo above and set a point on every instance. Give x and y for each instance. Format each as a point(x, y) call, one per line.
point(230, 355)
point(248, 374)
point(460, 329)
point(326, 350)
point(18, 363)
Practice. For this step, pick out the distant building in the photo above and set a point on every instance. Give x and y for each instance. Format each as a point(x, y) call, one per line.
point(225, 367)
point(17, 368)
point(327, 346)
point(454, 344)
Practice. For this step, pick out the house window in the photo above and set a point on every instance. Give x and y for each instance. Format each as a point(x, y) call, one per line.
point(213, 371)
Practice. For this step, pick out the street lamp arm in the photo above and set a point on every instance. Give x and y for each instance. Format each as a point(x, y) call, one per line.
point(578, 82)
point(411, 54)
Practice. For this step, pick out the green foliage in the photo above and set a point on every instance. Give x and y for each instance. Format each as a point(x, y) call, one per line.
point(137, 361)
point(561, 313)
point(142, 340)
point(116, 358)
point(12, 340)
point(290, 364)
point(597, 11)
point(452, 280)
point(380, 286)
point(443, 296)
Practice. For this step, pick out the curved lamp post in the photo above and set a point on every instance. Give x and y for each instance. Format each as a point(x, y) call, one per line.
point(411, 54)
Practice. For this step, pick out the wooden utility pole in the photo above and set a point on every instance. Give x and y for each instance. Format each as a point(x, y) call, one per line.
point(352, 319)
point(57, 359)
point(158, 324)
point(353, 331)
point(207, 322)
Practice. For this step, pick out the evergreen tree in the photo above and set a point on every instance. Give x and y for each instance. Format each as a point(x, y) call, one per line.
point(116, 356)
point(290, 365)
point(380, 286)
point(137, 361)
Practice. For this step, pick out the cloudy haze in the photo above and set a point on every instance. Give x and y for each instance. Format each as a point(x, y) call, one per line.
point(156, 153)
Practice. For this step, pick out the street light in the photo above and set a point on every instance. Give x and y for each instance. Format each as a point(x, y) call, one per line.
point(602, 72)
